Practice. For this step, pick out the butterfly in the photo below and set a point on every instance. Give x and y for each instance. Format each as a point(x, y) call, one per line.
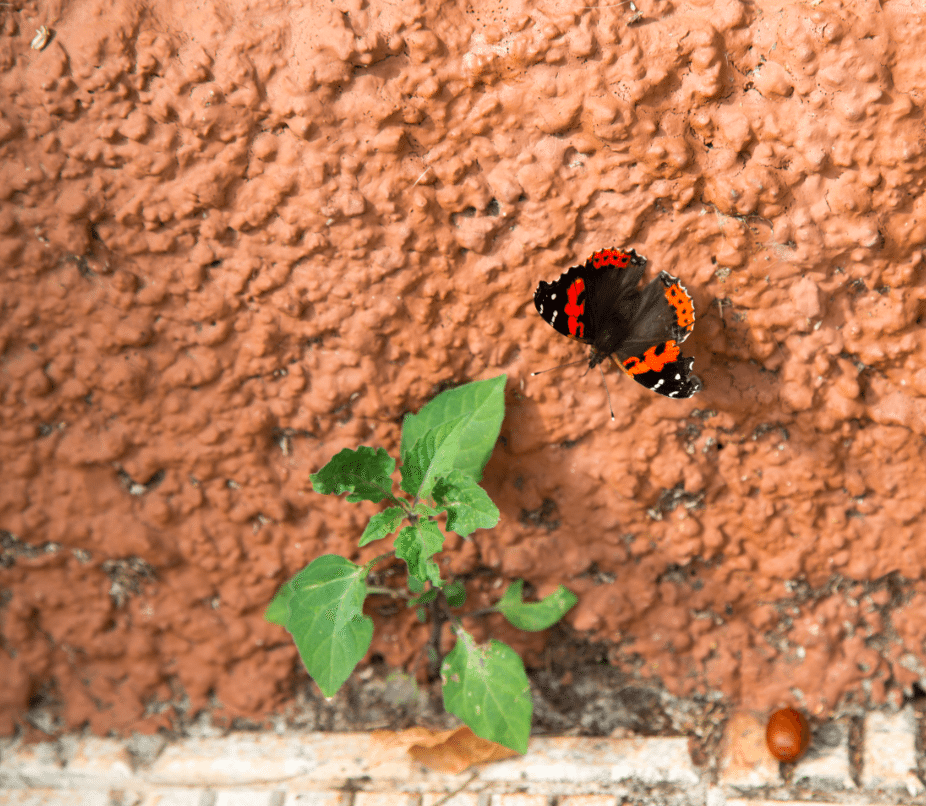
point(599, 303)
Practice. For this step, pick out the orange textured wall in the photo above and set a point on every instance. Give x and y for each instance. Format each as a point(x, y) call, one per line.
point(236, 237)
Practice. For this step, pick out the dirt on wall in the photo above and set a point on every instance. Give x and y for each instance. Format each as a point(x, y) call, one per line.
point(236, 237)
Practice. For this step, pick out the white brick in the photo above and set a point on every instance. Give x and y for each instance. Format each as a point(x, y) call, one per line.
point(761, 802)
point(827, 764)
point(460, 799)
point(53, 797)
point(520, 800)
point(342, 756)
point(385, 799)
point(745, 760)
point(237, 759)
point(244, 797)
point(330, 759)
point(581, 761)
point(31, 765)
point(317, 799)
point(889, 754)
point(175, 797)
point(98, 762)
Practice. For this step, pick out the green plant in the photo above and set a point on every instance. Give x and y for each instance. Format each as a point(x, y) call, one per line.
point(444, 449)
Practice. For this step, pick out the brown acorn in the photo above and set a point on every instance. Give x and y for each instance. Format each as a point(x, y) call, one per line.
point(787, 734)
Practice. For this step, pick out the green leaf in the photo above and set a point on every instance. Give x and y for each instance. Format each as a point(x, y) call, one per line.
point(382, 524)
point(432, 572)
point(431, 457)
point(534, 616)
point(468, 505)
point(323, 607)
point(416, 545)
point(455, 593)
point(276, 611)
point(428, 596)
point(364, 473)
point(481, 404)
point(485, 685)
point(425, 510)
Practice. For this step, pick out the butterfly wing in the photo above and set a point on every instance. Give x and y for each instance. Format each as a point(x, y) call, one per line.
point(562, 303)
point(664, 370)
point(584, 302)
point(662, 319)
point(652, 317)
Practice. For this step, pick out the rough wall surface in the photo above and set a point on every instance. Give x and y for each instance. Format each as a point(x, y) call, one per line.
point(236, 237)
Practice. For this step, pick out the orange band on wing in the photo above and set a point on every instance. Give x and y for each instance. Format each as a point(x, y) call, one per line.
point(653, 361)
point(684, 309)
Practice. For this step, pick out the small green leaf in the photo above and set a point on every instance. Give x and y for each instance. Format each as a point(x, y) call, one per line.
point(432, 573)
point(323, 607)
point(364, 473)
point(421, 614)
point(534, 616)
point(485, 685)
point(481, 404)
point(455, 593)
point(428, 596)
point(382, 524)
point(416, 545)
point(431, 457)
point(425, 510)
point(414, 584)
point(468, 505)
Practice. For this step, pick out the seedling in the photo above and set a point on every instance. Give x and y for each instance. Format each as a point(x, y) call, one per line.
point(443, 450)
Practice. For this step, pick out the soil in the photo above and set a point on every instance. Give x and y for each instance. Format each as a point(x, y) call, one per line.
point(240, 237)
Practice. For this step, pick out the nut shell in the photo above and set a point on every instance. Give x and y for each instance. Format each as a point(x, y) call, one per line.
point(787, 734)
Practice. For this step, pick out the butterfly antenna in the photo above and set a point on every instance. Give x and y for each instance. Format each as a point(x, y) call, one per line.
point(605, 382)
point(559, 366)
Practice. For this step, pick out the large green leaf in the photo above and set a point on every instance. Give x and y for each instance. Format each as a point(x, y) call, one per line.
point(485, 685)
point(534, 616)
point(468, 505)
point(481, 404)
point(364, 473)
point(322, 607)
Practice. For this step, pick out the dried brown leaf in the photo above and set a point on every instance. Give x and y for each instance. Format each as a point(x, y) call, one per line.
point(450, 751)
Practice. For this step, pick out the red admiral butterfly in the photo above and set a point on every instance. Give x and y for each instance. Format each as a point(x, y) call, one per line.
point(599, 303)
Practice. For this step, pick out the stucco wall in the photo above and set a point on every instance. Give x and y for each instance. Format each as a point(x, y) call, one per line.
point(238, 237)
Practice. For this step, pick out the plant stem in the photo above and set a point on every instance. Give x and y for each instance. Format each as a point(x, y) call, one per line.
point(395, 594)
point(439, 616)
point(473, 776)
point(375, 560)
point(477, 613)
